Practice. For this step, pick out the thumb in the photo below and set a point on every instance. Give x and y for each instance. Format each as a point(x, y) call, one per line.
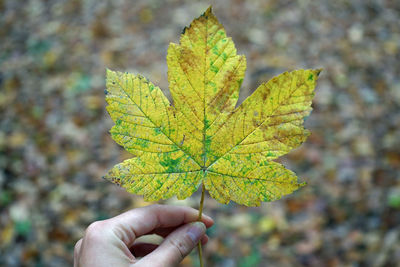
point(176, 245)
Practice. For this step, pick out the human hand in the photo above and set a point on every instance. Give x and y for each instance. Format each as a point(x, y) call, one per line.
point(112, 242)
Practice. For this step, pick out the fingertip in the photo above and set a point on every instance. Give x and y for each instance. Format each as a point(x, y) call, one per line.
point(207, 220)
point(196, 231)
point(204, 239)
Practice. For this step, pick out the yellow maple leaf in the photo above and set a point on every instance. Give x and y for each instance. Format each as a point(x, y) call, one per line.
point(202, 138)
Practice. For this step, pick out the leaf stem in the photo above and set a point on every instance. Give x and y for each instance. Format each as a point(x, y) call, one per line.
point(199, 249)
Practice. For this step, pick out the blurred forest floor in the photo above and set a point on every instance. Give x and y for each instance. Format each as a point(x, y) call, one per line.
point(55, 145)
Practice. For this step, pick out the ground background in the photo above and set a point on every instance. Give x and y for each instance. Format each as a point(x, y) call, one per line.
point(55, 146)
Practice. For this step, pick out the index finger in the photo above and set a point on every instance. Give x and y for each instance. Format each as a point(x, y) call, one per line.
point(137, 222)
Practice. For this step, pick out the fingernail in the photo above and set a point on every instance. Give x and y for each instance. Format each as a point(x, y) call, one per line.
point(196, 231)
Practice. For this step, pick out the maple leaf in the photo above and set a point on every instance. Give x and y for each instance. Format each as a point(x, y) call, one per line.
point(202, 137)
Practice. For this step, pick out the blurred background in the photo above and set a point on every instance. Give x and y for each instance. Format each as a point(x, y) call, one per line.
point(55, 145)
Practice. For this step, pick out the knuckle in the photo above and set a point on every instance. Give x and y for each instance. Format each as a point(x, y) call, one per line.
point(183, 246)
point(152, 208)
point(95, 230)
point(95, 226)
point(156, 206)
point(77, 247)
